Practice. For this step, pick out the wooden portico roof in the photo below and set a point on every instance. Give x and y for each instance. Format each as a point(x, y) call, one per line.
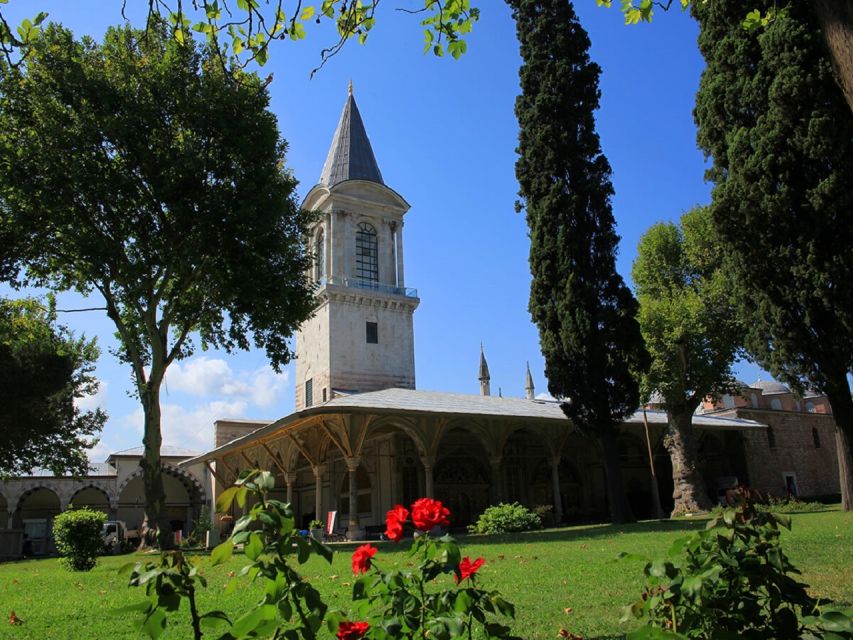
point(444, 407)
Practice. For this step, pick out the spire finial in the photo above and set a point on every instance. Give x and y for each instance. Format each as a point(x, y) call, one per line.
point(528, 384)
point(484, 374)
point(349, 88)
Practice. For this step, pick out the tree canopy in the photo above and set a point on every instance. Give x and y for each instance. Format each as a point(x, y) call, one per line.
point(780, 136)
point(171, 201)
point(691, 332)
point(585, 313)
point(245, 30)
point(44, 371)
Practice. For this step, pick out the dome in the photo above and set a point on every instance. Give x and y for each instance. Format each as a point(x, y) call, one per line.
point(769, 387)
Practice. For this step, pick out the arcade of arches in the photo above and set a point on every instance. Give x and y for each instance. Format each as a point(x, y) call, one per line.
point(30, 504)
point(361, 464)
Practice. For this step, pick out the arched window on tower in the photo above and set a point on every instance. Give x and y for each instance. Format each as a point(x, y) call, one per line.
point(366, 254)
point(320, 257)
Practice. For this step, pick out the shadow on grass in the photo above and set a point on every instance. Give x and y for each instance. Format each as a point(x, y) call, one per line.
point(585, 532)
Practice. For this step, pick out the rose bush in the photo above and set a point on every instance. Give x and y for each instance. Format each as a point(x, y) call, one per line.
point(422, 603)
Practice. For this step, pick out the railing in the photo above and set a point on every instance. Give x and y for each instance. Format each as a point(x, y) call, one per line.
point(355, 283)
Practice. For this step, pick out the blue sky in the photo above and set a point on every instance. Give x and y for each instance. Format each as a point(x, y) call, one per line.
point(444, 134)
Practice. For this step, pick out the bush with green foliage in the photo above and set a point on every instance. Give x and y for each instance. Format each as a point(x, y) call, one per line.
point(791, 505)
point(506, 518)
point(289, 606)
point(732, 580)
point(77, 534)
point(546, 514)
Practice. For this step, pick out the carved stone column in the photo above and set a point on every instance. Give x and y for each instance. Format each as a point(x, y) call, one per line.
point(496, 491)
point(318, 491)
point(10, 522)
point(290, 480)
point(354, 531)
point(429, 481)
point(401, 282)
point(555, 481)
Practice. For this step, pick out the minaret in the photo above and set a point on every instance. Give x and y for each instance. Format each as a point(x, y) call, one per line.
point(528, 384)
point(361, 337)
point(484, 374)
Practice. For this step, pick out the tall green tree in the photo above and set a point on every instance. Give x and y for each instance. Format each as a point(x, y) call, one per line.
point(692, 335)
point(781, 139)
point(834, 16)
point(141, 170)
point(584, 312)
point(44, 370)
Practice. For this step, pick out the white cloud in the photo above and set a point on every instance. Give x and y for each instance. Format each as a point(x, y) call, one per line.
point(94, 401)
point(206, 377)
point(189, 427)
point(100, 452)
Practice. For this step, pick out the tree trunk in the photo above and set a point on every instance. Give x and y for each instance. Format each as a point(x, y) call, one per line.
point(620, 510)
point(836, 23)
point(841, 402)
point(155, 529)
point(688, 490)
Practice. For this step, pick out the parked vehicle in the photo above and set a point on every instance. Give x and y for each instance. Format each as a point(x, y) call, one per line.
point(115, 533)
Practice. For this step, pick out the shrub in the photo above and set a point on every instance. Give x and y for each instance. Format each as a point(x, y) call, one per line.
point(732, 580)
point(791, 505)
point(546, 514)
point(506, 518)
point(77, 533)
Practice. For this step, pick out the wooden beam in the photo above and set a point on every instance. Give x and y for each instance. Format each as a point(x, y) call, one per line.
point(215, 474)
point(252, 465)
point(275, 459)
point(302, 450)
point(229, 468)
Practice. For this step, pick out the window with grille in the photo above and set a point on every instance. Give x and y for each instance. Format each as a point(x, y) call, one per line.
point(372, 333)
point(366, 254)
point(320, 257)
point(309, 392)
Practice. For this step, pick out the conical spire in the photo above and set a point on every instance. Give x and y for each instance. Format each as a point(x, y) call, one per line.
point(484, 377)
point(350, 156)
point(528, 384)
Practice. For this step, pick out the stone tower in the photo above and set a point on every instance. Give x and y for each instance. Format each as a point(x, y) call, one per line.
point(361, 337)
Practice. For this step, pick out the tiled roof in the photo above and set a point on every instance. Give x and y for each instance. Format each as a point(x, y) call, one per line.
point(435, 402)
point(350, 156)
point(166, 451)
point(95, 469)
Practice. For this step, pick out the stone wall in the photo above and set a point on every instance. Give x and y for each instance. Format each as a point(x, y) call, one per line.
point(789, 447)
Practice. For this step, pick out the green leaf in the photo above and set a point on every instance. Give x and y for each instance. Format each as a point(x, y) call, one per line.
point(223, 502)
point(222, 552)
point(752, 21)
point(255, 546)
point(214, 619)
point(307, 13)
point(154, 624)
point(138, 607)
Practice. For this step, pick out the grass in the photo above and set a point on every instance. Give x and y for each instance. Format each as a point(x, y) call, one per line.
point(557, 578)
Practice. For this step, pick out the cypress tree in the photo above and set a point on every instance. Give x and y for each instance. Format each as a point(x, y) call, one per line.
point(585, 314)
point(781, 138)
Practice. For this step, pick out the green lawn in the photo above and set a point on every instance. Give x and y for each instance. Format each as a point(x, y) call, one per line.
point(564, 577)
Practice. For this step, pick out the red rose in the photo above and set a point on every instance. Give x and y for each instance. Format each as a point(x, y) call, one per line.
point(468, 568)
point(361, 558)
point(352, 630)
point(394, 522)
point(427, 513)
